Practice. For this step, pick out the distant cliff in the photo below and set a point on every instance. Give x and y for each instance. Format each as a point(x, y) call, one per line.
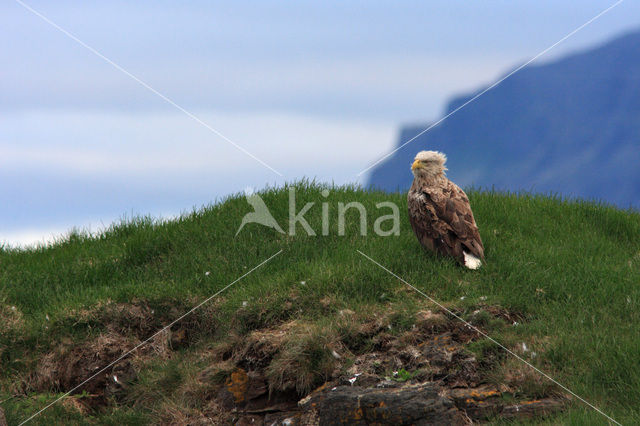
point(571, 127)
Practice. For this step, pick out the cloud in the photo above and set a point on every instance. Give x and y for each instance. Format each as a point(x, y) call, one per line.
point(314, 59)
point(105, 143)
point(58, 168)
point(391, 87)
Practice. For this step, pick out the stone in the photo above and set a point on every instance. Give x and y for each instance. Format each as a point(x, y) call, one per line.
point(409, 405)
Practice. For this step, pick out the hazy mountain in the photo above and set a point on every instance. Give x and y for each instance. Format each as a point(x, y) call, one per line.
point(571, 126)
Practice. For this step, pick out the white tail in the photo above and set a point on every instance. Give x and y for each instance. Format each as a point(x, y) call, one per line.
point(470, 261)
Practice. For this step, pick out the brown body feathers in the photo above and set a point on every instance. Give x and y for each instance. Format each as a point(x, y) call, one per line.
point(440, 213)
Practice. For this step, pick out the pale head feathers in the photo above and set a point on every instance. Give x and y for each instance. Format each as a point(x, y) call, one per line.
point(428, 164)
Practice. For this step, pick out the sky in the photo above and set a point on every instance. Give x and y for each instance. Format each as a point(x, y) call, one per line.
point(209, 92)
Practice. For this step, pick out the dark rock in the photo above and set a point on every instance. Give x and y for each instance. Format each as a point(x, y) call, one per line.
point(478, 403)
point(410, 405)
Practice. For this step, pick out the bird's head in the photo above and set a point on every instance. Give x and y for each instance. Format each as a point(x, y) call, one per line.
point(429, 164)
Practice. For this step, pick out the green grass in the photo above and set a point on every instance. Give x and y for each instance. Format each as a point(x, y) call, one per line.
point(571, 268)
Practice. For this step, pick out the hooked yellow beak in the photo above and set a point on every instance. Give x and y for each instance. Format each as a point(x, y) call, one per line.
point(415, 165)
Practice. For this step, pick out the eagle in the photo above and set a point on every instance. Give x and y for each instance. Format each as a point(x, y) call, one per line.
point(440, 213)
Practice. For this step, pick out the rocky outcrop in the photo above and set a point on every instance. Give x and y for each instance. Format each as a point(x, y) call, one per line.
point(387, 403)
point(422, 375)
point(419, 404)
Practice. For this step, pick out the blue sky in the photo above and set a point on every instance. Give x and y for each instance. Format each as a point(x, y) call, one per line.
point(314, 89)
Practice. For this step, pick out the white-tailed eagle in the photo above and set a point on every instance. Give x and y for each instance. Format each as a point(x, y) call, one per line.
point(440, 213)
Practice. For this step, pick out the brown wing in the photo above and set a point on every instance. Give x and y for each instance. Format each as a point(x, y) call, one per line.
point(423, 219)
point(442, 219)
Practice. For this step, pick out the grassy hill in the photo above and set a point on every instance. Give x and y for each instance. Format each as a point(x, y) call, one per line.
point(568, 271)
